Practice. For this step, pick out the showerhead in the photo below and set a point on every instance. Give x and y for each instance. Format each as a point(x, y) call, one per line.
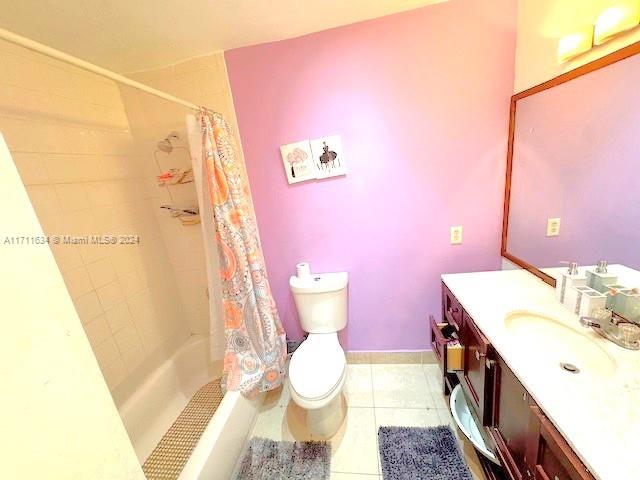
point(165, 145)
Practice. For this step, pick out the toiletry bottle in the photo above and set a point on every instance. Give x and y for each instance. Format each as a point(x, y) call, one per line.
point(570, 278)
point(599, 278)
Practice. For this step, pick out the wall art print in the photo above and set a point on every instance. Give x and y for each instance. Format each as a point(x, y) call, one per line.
point(328, 156)
point(315, 159)
point(298, 161)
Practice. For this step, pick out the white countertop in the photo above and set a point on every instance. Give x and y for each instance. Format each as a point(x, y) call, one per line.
point(599, 416)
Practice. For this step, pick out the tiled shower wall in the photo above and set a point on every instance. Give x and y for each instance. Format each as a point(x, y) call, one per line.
point(69, 137)
point(202, 81)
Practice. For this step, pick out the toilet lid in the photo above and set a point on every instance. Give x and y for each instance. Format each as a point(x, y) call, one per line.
point(317, 365)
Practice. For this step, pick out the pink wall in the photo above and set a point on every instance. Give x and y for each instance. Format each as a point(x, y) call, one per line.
point(421, 102)
point(576, 157)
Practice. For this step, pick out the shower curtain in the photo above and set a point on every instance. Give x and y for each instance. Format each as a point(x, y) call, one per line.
point(255, 350)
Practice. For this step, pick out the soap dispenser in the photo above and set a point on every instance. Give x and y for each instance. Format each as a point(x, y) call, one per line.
point(569, 279)
point(600, 279)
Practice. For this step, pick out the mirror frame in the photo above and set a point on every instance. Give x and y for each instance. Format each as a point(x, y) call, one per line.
point(602, 62)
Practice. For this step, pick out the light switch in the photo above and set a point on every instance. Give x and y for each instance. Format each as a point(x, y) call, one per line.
point(456, 235)
point(553, 227)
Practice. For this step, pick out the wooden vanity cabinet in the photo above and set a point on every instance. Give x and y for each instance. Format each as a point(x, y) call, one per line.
point(528, 445)
point(510, 428)
point(478, 366)
point(549, 454)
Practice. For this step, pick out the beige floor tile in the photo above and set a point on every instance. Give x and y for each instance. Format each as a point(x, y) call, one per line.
point(282, 423)
point(432, 370)
point(354, 448)
point(279, 397)
point(434, 384)
point(400, 386)
point(439, 401)
point(358, 389)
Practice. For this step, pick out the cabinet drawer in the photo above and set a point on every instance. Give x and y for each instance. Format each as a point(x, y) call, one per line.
point(550, 453)
point(449, 354)
point(451, 308)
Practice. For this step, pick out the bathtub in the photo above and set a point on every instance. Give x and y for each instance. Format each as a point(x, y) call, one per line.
point(151, 409)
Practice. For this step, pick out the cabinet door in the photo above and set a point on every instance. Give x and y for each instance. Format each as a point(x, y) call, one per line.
point(549, 453)
point(451, 308)
point(478, 369)
point(511, 421)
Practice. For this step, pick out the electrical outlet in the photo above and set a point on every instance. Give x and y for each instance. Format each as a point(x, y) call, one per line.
point(456, 235)
point(553, 227)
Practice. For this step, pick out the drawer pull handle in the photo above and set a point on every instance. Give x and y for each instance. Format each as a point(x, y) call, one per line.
point(480, 355)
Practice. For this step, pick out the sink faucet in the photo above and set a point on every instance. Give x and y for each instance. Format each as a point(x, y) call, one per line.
point(590, 322)
point(610, 329)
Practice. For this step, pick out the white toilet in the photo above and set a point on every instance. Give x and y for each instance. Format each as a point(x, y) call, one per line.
point(318, 368)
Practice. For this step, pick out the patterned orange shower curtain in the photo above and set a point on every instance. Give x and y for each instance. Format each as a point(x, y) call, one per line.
point(255, 340)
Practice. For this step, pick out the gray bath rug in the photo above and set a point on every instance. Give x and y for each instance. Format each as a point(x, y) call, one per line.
point(268, 460)
point(421, 454)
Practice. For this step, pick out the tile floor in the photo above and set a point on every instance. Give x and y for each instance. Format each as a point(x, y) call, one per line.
point(376, 395)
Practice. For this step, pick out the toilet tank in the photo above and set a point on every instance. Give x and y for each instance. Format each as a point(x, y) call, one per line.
point(321, 301)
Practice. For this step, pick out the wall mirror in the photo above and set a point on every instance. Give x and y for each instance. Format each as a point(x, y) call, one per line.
point(573, 170)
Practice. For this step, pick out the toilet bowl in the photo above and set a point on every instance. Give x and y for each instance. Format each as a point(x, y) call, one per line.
point(317, 371)
point(318, 368)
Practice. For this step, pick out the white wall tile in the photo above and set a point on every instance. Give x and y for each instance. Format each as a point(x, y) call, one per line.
point(87, 175)
point(100, 194)
point(67, 256)
point(114, 373)
point(31, 167)
point(119, 317)
point(88, 306)
point(128, 339)
point(92, 253)
point(97, 330)
point(110, 295)
point(77, 281)
point(44, 200)
point(101, 272)
point(133, 357)
point(72, 197)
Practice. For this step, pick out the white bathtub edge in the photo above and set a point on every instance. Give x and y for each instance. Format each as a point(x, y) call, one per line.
point(218, 450)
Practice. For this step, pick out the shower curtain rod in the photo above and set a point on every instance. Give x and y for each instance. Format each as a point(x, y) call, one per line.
point(65, 57)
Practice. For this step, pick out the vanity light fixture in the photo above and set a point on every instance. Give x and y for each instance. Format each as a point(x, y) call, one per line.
point(573, 45)
point(611, 22)
point(616, 20)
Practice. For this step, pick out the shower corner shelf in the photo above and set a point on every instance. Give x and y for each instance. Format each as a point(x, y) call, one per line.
point(175, 176)
point(170, 184)
point(190, 221)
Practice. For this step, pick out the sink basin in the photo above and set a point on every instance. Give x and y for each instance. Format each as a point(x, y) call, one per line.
point(553, 341)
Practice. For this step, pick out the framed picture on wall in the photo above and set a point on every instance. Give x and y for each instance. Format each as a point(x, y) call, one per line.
point(298, 161)
point(328, 156)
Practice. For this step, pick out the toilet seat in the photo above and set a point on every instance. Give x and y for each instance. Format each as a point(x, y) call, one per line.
point(317, 370)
